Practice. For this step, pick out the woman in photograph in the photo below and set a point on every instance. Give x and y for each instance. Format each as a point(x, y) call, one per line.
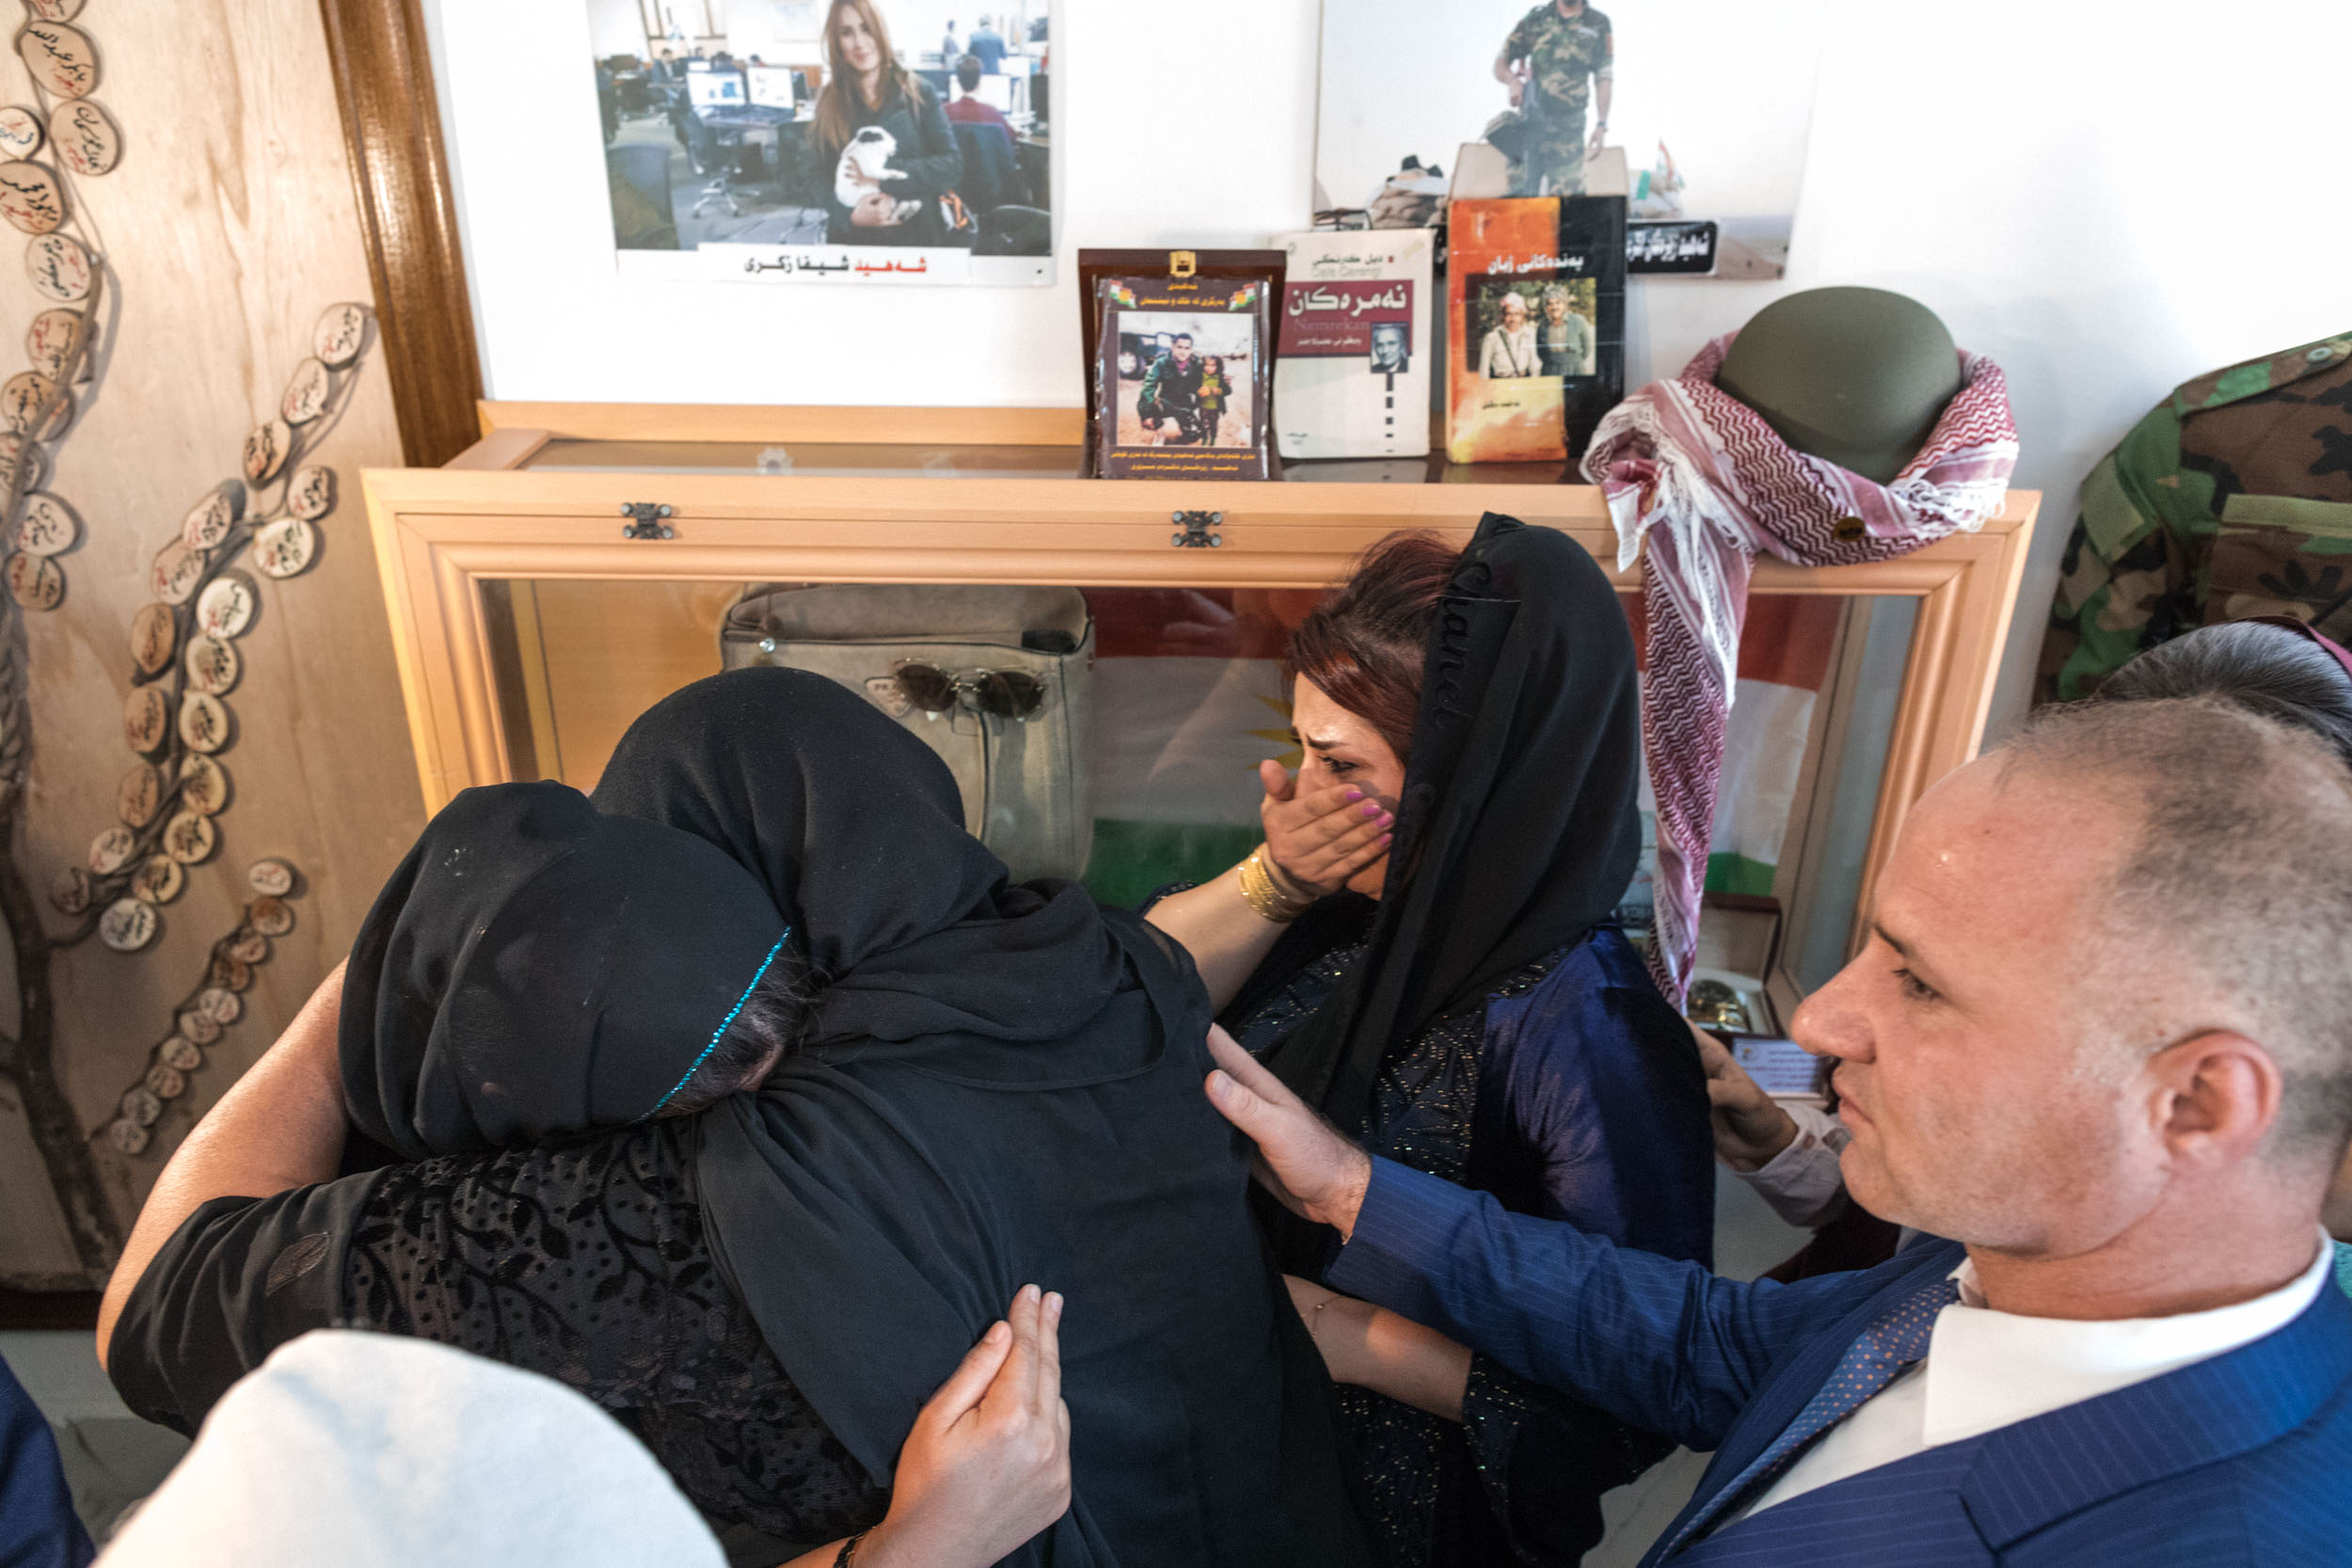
point(1423, 949)
point(1564, 344)
point(1508, 350)
point(914, 158)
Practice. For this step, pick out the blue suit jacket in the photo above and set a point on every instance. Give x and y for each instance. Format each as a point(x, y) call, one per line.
point(2246, 1458)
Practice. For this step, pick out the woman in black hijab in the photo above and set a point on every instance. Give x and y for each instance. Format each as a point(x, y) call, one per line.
point(986, 1084)
point(536, 970)
point(1429, 957)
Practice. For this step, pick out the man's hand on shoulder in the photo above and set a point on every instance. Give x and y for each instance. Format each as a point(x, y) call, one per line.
point(1302, 1159)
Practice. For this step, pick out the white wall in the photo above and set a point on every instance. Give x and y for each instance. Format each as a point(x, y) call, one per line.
point(616, 27)
point(2108, 198)
point(557, 321)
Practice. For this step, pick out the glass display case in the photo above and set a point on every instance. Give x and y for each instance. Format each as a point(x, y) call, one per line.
point(1110, 650)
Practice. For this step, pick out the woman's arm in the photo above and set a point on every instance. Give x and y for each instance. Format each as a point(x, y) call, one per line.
point(1314, 843)
point(279, 1126)
point(987, 1466)
point(1376, 1348)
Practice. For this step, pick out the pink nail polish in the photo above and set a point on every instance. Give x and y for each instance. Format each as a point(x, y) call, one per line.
point(1355, 794)
point(1372, 808)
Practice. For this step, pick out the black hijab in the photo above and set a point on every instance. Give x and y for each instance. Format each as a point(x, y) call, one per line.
point(856, 830)
point(534, 970)
point(1004, 1086)
point(1519, 825)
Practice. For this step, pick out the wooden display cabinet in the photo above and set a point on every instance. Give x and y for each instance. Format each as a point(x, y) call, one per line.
point(567, 570)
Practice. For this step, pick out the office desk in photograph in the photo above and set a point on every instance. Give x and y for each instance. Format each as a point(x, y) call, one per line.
point(783, 130)
point(576, 564)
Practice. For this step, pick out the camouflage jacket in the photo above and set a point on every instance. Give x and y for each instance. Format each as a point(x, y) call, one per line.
point(2233, 498)
point(1171, 383)
point(1563, 56)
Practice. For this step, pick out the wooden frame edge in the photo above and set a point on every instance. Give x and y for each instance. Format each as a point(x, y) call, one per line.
point(407, 220)
point(431, 568)
point(735, 423)
point(1947, 689)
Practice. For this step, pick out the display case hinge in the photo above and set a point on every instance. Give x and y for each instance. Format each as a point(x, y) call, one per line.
point(1197, 525)
point(645, 521)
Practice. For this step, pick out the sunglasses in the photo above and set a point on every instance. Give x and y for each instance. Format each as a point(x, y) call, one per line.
point(999, 694)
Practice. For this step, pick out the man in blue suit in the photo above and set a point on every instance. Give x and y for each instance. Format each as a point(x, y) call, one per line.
point(2098, 1038)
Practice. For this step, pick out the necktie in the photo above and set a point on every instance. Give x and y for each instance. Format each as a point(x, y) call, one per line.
point(1874, 1360)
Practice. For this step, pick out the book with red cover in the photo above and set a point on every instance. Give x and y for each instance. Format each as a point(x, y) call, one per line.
point(1536, 325)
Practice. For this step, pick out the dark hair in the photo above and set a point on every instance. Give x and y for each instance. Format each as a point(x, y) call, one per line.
point(1181, 338)
point(967, 71)
point(2266, 670)
point(771, 1023)
point(1362, 647)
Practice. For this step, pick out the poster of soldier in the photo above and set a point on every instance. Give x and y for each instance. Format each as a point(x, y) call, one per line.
point(822, 143)
point(1708, 100)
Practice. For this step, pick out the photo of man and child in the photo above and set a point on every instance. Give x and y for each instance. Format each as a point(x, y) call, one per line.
point(1185, 380)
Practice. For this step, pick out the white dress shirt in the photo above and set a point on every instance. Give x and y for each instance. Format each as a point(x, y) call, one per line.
point(1802, 1183)
point(1986, 1370)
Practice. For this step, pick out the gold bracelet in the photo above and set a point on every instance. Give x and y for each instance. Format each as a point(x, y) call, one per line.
point(848, 1554)
point(1270, 902)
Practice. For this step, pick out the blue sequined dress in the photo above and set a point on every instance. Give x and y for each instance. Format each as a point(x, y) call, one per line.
point(1572, 1092)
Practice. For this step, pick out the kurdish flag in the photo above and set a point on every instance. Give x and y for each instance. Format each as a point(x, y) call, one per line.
point(1189, 698)
point(1786, 645)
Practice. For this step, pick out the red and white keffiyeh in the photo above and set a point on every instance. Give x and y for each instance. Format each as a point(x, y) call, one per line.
point(1712, 487)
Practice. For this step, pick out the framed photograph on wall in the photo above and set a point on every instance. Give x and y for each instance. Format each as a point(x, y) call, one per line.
point(1710, 102)
point(824, 143)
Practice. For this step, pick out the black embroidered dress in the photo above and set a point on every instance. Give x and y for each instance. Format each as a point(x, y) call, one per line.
point(585, 1262)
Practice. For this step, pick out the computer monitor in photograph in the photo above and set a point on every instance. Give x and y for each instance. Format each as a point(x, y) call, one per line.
point(697, 64)
point(1040, 99)
point(771, 85)
point(997, 92)
point(715, 89)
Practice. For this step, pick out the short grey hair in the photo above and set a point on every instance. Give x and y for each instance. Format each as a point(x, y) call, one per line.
point(2238, 876)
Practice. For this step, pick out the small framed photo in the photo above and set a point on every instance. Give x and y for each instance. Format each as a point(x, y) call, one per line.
point(1182, 377)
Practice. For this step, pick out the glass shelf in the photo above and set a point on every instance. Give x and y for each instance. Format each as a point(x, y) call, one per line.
point(875, 460)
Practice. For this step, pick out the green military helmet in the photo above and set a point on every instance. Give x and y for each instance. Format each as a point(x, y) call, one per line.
point(1858, 376)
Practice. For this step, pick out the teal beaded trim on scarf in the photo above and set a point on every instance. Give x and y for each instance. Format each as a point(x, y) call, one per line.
point(717, 1034)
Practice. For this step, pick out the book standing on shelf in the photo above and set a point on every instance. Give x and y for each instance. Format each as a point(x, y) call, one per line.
point(1353, 375)
point(1179, 362)
point(1536, 325)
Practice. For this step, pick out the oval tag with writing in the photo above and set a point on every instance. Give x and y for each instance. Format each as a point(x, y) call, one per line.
point(62, 59)
point(30, 197)
point(86, 139)
point(59, 268)
point(36, 581)
point(20, 132)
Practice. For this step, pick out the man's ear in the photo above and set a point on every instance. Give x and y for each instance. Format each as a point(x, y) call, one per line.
point(2218, 1096)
